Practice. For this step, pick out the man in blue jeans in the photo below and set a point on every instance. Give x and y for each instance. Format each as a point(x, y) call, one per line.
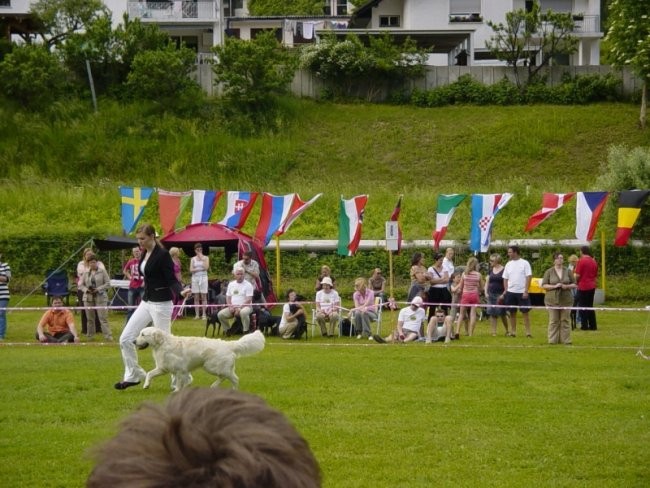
point(5, 277)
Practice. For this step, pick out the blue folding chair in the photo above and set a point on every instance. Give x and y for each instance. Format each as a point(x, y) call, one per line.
point(56, 285)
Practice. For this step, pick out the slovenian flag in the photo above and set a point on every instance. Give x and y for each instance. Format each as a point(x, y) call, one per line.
point(297, 208)
point(550, 203)
point(134, 199)
point(240, 204)
point(170, 207)
point(589, 206)
point(350, 222)
point(447, 205)
point(203, 204)
point(484, 209)
point(275, 211)
point(629, 208)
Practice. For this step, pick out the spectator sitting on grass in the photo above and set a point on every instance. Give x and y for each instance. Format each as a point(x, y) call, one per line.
point(57, 325)
point(409, 322)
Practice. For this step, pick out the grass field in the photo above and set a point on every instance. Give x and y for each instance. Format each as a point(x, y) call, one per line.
point(482, 411)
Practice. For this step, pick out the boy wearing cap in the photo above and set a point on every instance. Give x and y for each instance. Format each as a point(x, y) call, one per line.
point(327, 307)
point(409, 322)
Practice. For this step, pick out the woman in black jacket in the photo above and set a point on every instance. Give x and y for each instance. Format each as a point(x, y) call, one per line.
point(157, 268)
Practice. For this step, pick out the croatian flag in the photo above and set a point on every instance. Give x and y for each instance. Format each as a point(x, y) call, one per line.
point(350, 222)
point(203, 203)
point(275, 211)
point(551, 202)
point(484, 209)
point(447, 205)
point(240, 204)
point(297, 208)
point(589, 206)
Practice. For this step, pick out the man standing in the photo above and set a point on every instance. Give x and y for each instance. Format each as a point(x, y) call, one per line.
point(5, 276)
point(239, 297)
point(586, 272)
point(57, 325)
point(251, 269)
point(516, 281)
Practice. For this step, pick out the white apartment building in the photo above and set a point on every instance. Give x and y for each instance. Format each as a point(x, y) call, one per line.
point(454, 30)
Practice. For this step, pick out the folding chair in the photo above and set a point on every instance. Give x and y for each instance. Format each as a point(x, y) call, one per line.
point(314, 322)
point(56, 285)
point(379, 306)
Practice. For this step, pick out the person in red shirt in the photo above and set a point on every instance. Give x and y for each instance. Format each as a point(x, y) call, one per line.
point(586, 272)
point(57, 324)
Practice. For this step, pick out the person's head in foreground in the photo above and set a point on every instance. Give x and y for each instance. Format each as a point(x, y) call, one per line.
point(206, 437)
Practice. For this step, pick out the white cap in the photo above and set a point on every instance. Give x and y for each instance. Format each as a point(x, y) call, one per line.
point(326, 281)
point(417, 301)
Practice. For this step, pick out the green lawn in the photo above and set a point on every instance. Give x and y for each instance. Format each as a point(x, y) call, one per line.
point(482, 411)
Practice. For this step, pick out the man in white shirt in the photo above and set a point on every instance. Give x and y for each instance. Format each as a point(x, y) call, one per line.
point(516, 281)
point(327, 307)
point(239, 297)
point(409, 323)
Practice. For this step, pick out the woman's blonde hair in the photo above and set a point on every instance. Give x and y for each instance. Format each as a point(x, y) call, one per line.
point(472, 265)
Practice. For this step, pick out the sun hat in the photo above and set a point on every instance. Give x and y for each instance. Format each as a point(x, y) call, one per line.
point(417, 301)
point(326, 281)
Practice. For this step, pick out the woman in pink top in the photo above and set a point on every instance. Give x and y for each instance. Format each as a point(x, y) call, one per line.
point(471, 283)
point(364, 308)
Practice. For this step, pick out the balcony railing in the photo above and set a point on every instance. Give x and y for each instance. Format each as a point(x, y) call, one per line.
point(174, 10)
point(586, 23)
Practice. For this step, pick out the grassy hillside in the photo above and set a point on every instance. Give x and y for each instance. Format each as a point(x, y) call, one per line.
point(62, 173)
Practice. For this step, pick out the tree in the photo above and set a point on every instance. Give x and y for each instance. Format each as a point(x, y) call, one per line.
point(532, 38)
point(62, 18)
point(163, 76)
point(629, 39)
point(253, 75)
point(32, 76)
point(350, 67)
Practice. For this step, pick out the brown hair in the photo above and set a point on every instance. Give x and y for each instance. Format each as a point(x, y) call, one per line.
point(206, 437)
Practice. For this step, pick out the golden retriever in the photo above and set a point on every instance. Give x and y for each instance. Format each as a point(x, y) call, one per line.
point(181, 355)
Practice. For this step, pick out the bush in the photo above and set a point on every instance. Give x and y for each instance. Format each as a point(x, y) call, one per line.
point(32, 76)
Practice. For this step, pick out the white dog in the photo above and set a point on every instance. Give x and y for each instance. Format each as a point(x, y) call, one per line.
point(181, 355)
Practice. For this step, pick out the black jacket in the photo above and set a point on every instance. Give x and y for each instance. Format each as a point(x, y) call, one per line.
point(159, 279)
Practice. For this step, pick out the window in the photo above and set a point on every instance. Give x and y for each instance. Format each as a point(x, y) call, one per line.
point(341, 7)
point(258, 31)
point(229, 7)
point(5, 3)
point(389, 21)
point(464, 7)
point(564, 6)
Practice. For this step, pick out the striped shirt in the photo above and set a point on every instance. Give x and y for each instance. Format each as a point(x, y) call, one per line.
point(5, 270)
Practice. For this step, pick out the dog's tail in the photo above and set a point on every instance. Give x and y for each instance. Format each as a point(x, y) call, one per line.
point(249, 344)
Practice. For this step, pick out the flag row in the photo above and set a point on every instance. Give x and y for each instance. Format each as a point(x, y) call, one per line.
point(278, 212)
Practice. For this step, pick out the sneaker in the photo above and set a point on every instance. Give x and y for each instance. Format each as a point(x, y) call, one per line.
point(123, 385)
point(359, 336)
point(378, 338)
point(197, 318)
point(427, 341)
point(370, 338)
point(529, 336)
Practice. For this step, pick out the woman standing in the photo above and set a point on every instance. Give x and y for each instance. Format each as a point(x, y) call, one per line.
point(325, 272)
point(493, 290)
point(82, 267)
point(439, 294)
point(157, 267)
point(420, 278)
point(365, 310)
point(95, 284)
point(199, 265)
point(558, 281)
point(471, 283)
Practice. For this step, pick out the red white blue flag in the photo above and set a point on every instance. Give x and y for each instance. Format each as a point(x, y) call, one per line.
point(240, 204)
point(551, 202)
point(589, 206)
point(276, 209)
point(484, 209)
point(203, 204)
point(297, 208)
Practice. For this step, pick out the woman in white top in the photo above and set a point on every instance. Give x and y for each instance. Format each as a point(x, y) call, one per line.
point(199, 265)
